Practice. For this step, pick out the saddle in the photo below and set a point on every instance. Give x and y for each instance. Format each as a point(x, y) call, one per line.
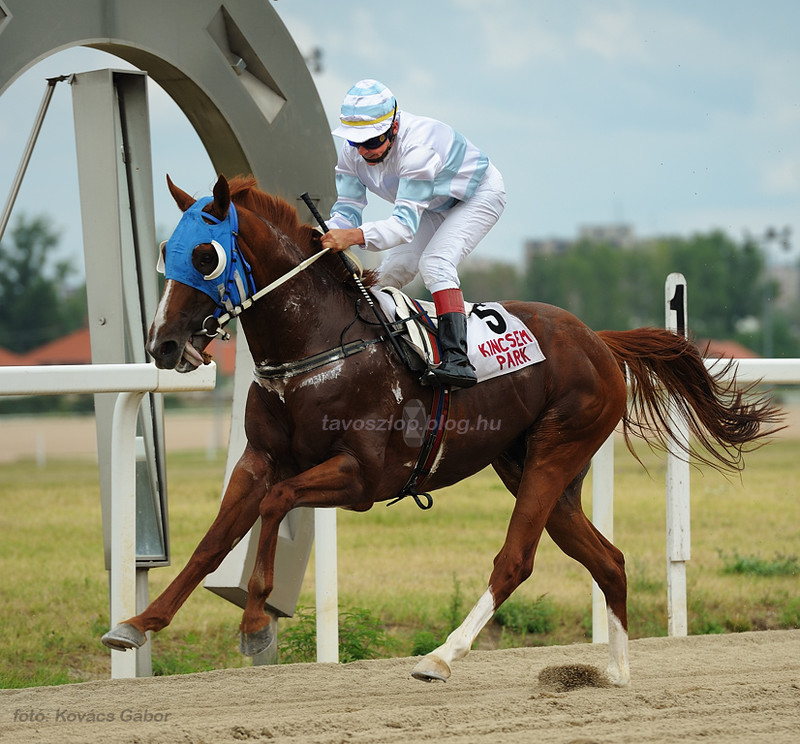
point(498, 342)
point(415, 326)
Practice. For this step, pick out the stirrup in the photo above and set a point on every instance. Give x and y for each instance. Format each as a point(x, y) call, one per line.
point(453, 379)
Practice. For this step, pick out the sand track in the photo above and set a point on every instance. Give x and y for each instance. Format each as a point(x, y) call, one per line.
point(732, 689)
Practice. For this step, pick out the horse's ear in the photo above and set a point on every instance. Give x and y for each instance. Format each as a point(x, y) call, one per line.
point(222, 197)
point(182, 199)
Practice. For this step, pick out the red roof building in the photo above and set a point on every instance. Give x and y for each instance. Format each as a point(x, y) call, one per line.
point(725, 350)
point(75, 348)
point(10, 359)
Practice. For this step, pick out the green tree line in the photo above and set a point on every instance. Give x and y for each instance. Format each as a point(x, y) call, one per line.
point(40, 297)
point(604, 285)
point(609, 287)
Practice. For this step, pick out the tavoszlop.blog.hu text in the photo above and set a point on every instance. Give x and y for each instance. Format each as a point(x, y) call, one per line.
point(409, 425)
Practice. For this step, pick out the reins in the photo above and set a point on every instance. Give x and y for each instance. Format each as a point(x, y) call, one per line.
point(390, 335)
point(237, 310)
point(213, 325)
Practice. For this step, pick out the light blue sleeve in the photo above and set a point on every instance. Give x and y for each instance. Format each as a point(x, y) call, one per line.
point(349, 206)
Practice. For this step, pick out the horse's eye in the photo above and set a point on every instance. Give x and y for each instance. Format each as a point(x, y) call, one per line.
point(205, 259)
point(210, 259)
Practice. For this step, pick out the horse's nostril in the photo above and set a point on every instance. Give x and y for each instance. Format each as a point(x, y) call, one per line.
point(167, 348)
point(165, 353)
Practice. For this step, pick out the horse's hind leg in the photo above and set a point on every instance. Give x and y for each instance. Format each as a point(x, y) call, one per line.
point(538, 490)
point(578, 538)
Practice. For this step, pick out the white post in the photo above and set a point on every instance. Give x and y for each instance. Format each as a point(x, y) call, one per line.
point(144, 655)
point(41, 450)
point(677, 496)
point(326, 576)
point(603, 520)
point(123, 523)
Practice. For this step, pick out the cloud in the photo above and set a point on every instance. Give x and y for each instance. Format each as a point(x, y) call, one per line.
point(614, 34)
point(782, 177)
point(513, 34)
point(676, 116)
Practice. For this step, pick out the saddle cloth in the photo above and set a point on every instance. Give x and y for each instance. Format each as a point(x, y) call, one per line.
point(497, 342)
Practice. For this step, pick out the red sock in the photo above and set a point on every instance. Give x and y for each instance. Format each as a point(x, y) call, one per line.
point(448, 301)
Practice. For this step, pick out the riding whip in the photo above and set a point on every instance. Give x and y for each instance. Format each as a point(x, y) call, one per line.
point(351, 269)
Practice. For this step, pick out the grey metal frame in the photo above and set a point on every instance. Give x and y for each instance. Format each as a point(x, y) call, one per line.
point(236, 73)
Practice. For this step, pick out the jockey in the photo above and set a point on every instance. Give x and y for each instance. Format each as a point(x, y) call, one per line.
point(446, 196)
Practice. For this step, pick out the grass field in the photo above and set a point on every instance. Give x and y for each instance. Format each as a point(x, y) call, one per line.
point(414, 571)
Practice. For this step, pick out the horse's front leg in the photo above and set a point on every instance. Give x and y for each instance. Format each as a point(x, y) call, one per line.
point(237, 514)
point(335, 482)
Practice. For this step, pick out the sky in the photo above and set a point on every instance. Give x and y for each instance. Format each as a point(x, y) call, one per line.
point(676, 117)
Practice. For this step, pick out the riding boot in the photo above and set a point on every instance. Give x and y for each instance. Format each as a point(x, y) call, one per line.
point(455, 369)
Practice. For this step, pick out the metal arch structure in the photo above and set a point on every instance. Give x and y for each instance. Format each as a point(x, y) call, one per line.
point(235, 72)
point(231, 66)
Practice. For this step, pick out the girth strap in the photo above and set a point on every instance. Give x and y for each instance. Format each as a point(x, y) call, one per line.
point(434, 431)
point(291, 369)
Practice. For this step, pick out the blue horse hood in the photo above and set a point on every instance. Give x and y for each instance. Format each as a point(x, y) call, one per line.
point(226, 285)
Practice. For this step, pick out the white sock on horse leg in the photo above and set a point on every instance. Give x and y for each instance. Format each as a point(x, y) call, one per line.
point(460, 641)
point(618, 671)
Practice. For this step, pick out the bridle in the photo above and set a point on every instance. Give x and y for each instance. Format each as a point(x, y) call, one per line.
point(214, 324)
point(236, 291)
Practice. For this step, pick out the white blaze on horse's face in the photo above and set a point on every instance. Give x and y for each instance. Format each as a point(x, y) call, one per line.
point(160, 318)
point(190, 356)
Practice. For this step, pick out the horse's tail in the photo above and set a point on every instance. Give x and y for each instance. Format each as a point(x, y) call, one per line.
point(724, 419)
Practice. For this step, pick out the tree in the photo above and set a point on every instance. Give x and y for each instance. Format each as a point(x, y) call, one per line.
point(38, 303)
point(725, 281)
point(611, 287)
point(494, 282)
point(605, 286)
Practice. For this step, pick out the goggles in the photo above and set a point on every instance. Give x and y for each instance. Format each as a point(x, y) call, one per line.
point(371, 144)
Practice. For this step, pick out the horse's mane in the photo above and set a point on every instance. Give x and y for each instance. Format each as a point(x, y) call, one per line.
point(277, 211)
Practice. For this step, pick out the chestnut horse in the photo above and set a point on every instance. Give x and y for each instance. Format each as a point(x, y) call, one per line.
point(548, 418)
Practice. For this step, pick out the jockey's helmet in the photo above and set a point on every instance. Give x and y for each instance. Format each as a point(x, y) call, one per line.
point(368, 112)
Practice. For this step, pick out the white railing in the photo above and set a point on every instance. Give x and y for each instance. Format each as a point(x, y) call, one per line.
point(131, 381)
point(771, 371)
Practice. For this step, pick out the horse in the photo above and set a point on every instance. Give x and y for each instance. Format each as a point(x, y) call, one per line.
point(321, 356)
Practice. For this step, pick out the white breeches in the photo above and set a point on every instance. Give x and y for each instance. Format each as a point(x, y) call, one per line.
point(444, 239)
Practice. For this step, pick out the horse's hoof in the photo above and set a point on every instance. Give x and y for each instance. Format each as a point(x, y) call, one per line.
point(123, 637)
point(252, 644)
point(430, 668)
point(618, 677)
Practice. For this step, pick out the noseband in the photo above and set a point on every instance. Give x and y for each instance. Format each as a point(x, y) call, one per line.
point(219, 320)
